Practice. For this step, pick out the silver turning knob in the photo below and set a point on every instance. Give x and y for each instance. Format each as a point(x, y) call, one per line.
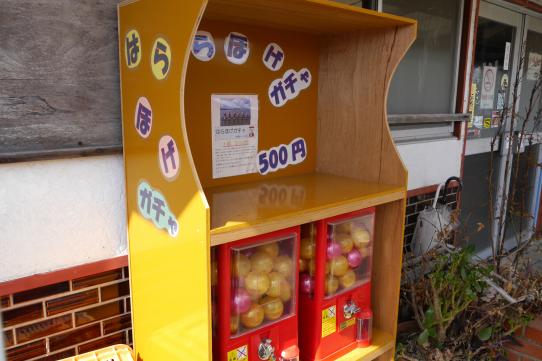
point(266, 351)
point(350, 309)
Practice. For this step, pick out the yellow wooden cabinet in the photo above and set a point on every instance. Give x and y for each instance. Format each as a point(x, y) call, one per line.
point(177, 206)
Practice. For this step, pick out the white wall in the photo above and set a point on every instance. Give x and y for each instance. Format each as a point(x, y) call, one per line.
point(431, 162)
point(60, 213)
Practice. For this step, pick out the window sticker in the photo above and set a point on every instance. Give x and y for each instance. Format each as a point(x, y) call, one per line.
point(160, 58)
point(168, 157)
point(533, 66)
point(289, 86)
point(282, 156)
point(132, 48)
point(203, 46)
point(238, 354)
point(143, 117)
point(488, 87)
point(153, 206)
point(273, 57)
point(237, 48)
point(329, 321)
point(234, 134)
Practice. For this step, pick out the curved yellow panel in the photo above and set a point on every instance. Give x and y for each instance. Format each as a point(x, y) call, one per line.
point(168, 216)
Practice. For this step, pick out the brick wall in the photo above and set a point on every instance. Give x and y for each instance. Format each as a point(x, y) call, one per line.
point(67, 318)
point(529, 343)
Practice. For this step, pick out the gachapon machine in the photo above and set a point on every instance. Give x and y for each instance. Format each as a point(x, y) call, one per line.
point(256, 300)
point(335, 285)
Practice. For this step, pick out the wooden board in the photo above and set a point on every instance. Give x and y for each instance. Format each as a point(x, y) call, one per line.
point(245, 210)
point(59, 92)
point(276, 125)
point(382, 342)
point(387, 265)
point(313, 16)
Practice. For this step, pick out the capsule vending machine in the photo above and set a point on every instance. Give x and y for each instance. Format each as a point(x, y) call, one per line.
point(257, 298)
point(335, 285)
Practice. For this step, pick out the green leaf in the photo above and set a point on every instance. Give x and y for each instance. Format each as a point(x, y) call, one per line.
point(423, 338)
point(432, 332)
point(429, 318)
point(485, 333)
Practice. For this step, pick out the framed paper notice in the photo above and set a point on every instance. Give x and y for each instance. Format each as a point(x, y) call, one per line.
point(235, 134)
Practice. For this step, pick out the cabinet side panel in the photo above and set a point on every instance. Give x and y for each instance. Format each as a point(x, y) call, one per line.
point(351, 103)
point(387, 261)
point(168, 216)
point(392, 169)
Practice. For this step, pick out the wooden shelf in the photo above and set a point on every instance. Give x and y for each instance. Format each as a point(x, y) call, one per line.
point(313, 16)
point(382, 342)
point(244, 210)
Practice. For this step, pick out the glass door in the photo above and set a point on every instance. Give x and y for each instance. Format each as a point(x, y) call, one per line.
point(498, 41)
point(526, 175)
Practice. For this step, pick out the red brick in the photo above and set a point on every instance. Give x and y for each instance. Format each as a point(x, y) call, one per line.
point(128, 305)
point(8, 339)
point(99, 313)
point(58, 356)
point(512, 356)
point(41, 292)
point(117, 324)
point(22, 314)
point(103, 342)
point(533, 334)
point(527, 348)
point(5, 302)
point(74, 337)
point(130, 337)
point(71, 302)
point(43, 328)
point(115, 290)
point(97, 279)
point(25, 352)
point(126, 272)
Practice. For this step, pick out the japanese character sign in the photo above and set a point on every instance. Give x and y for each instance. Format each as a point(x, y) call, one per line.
point(143, 117)
point(153, 206)
point(237, 48)
point(203, 46)
point(168, 157)
point(282, 156)
point(289, 86)
point(273, 57)
point(132, 48)
point(160, 58)
point(305, 78)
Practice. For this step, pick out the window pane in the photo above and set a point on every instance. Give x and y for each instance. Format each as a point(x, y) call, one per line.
point(424, 81)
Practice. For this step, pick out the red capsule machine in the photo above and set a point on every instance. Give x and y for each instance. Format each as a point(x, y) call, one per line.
point(335, 283)
point(257, 298)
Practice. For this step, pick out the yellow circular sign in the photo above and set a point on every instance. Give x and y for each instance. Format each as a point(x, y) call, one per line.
point(160, 58)
point(132, 47)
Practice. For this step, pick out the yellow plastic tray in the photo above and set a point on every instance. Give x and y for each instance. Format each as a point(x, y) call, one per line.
point(111, 353)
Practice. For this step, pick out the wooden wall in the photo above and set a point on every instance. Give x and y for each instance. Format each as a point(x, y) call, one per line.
point(59, 86)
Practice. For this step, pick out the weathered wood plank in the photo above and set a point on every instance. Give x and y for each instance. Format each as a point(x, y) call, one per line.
point(59, 87)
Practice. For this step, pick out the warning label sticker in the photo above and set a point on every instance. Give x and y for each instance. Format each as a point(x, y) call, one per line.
point(347, 323)
point(239, 354)
point(329, 320)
